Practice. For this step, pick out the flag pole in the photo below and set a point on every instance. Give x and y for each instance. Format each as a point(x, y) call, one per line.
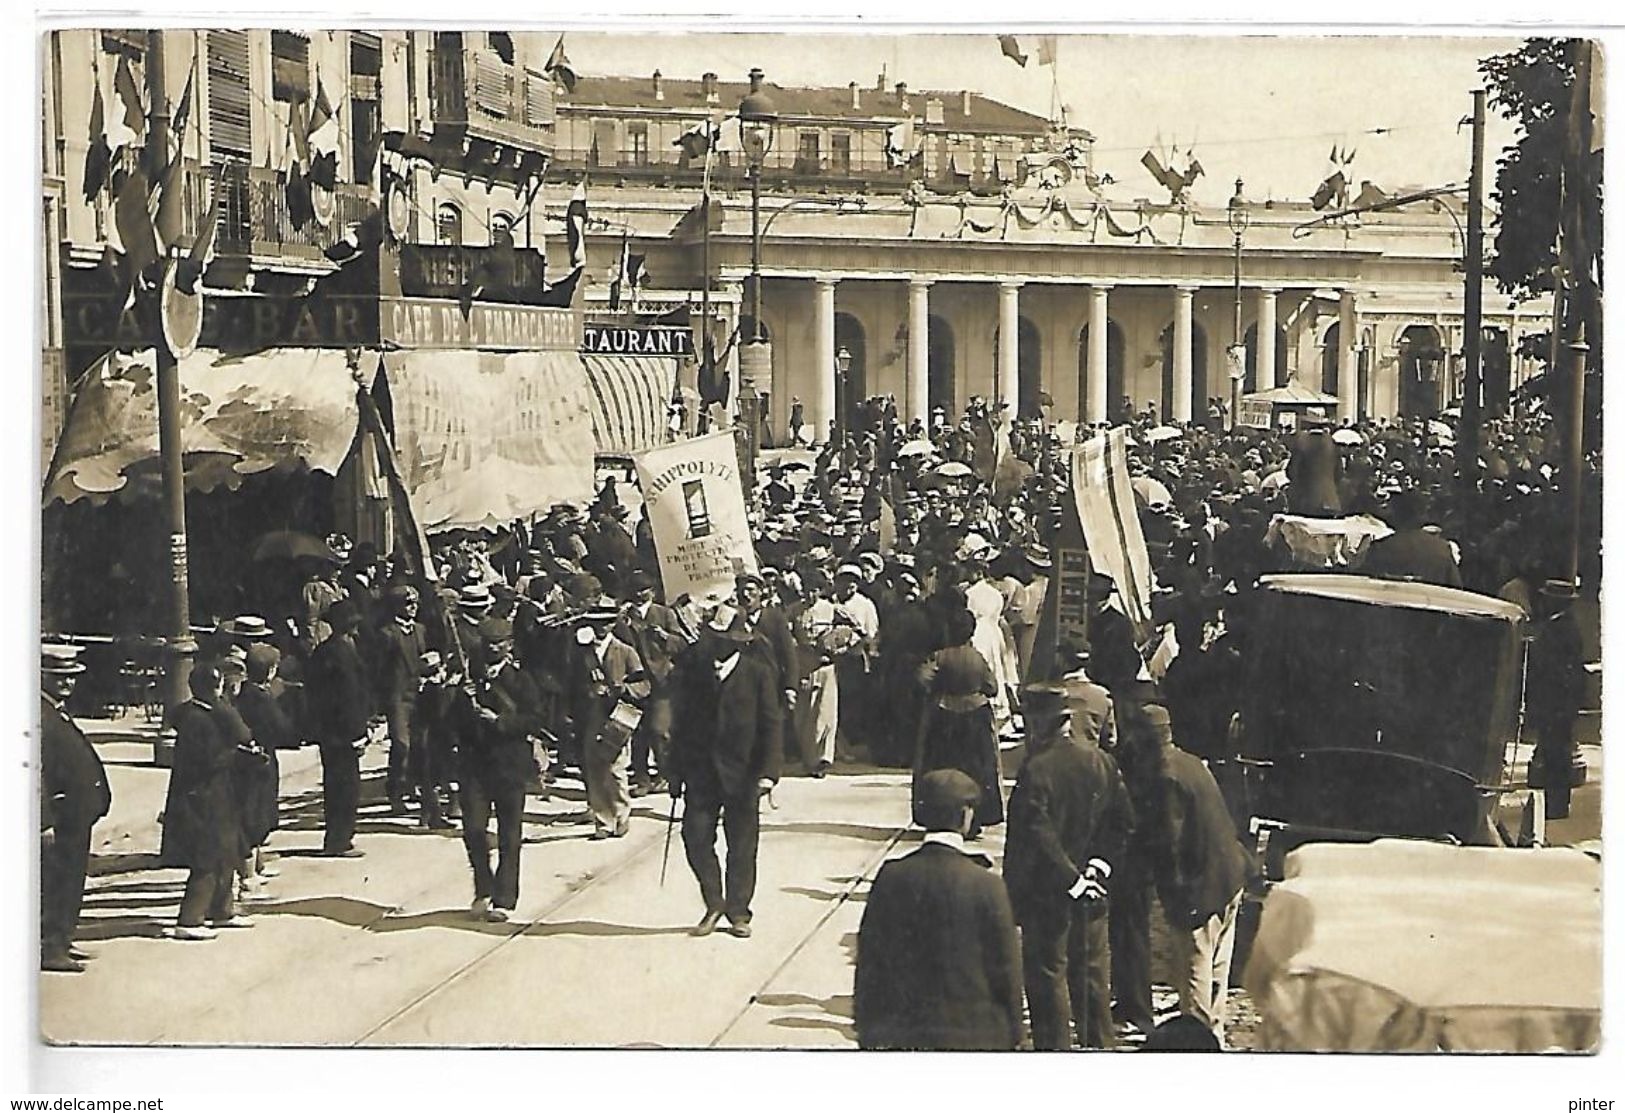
point(707, 371)
point(179, 643)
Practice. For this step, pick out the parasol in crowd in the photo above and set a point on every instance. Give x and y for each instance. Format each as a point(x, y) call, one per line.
point(292, 544)
point(1162, 433)
point(954, 469)
point(795, 465)
point(1442, 431)
point(1151, 491)
point(1348, 436)
point(917, 448)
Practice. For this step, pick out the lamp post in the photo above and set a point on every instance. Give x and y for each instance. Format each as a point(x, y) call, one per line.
point(757, 116)
point(1236, 216)
point(843, 364)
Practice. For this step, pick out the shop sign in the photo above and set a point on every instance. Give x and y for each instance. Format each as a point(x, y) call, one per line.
point(636, 340)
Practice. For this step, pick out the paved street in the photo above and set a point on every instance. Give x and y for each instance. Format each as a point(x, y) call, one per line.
point(597, 939)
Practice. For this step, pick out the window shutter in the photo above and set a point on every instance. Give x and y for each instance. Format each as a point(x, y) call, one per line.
point(229, 97)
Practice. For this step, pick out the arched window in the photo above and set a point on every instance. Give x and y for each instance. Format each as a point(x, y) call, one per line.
point(501, 230)
point(849, 335)
point(940, 367)
point(448, 224)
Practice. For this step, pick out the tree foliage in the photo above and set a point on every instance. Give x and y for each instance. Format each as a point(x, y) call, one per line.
point(1532, 85)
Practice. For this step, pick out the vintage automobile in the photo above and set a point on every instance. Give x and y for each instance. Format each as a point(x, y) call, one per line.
point(1408, 905)
point(1377, 708)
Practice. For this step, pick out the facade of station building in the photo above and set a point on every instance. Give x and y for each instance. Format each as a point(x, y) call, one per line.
point(1000, 227)
point(952, 245)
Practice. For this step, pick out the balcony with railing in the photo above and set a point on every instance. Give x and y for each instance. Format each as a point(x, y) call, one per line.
point(254, 217)
point(478, 95)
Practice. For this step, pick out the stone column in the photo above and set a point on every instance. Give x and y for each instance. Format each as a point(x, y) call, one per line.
point(1009, 376)
point(1097, 402)
point(1348, 366)
point(821, 407)
point(917, 403)
point(1266, 354)
point(1183, 335)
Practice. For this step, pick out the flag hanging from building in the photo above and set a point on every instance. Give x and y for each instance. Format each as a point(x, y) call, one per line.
point(1111, 525)
point(696, 509)
point(183, 107)
point(1011, 49)
point(901, 143)
point(617, 277)
point(99, 156)
point(558, 67)
point(699, 139)
point(132, 116)
point(575, 224)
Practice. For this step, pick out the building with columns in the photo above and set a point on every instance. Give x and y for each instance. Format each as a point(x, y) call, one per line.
point(995, 263)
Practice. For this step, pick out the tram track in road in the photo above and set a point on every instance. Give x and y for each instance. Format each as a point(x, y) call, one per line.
point(861, 877)
point(521, 929)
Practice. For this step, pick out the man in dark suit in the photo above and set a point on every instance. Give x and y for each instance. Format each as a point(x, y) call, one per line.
point(1200, 871)
point(727, 744)
point(73, 796)
point(652, 630)
point(497, 761)
point(772, 634)
point(938, 965)
point(398, 671)
point(1070, 817)
point(341, 702)
point(1313, 472)
point(1412, 551)
point(202, 827)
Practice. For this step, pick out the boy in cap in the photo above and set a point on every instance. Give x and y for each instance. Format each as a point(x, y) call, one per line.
point(938, 965)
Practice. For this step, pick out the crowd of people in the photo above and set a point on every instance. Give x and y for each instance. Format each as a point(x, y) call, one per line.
point(892, 619)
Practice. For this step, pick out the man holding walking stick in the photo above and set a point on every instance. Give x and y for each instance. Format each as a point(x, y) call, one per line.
point(1070, 818)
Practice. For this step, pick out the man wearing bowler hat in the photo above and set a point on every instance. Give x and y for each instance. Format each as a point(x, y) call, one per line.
point(73, 796)
point(938, 966)
point(1070, 817)
point(341, 703)
point(727, 722)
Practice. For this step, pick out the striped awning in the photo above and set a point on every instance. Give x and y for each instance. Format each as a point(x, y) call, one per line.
point(630, 397)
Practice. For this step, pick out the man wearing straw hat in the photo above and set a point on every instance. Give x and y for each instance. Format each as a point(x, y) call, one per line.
point(73, 796)
point(607, 681)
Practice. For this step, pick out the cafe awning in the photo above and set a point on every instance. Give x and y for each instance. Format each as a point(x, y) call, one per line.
point(486, 437)
point(240, 415)
point(630, 396)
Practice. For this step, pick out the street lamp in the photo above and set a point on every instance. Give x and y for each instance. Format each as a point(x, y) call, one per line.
point(757, 116)
point(843, 364)
point(1236, 216)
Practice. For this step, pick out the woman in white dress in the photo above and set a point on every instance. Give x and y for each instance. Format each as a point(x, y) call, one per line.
point(992, 637)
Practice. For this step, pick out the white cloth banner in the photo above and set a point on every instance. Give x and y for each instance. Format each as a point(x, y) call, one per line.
point(696, 507)
point(1111, 525)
